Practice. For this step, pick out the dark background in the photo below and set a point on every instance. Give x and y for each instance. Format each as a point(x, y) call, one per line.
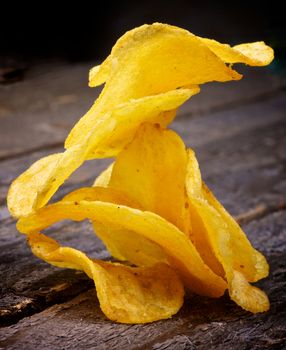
point(87, 30)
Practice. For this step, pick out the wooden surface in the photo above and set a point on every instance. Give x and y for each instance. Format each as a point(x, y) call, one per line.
point(238, 132)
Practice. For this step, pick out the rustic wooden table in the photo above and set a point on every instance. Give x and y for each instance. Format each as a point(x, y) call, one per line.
point(238, 132)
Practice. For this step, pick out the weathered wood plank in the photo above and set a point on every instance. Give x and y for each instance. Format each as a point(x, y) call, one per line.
point(250, 173)
point(202, 323)
point(39, 111)
point(244, 166)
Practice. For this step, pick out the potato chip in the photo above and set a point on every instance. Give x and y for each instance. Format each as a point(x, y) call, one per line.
point(103, 178)
point(135, 65)
point(128, 246)
point(223, 245)
point(129, 173)
point(22, 195)
point(193, 175)
point(247, 260)
point(210, 222)
point(126, 294)
point(113, 132)
point(152, 170)
point(35, 186)
point(247, 296)
point(216, 232)
point(194, 63)
point(101, 194)
point(253, 54)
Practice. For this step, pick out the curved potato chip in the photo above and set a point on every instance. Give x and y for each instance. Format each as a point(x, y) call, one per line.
point(122, 244)
point(154, 44)
point(247, 260)
point(104, 177)
point(127, 117)
point(152, 170)
point(181, 253)
point(126, 294)
point(259, 53)
point(23, 192)
point(249, 297)
point(253, 54)
point(202, 243)
point(127, 245)
point(103, 194)
point(69, 161)
point(193, 175)
point(33, 188)
point(122, 121)
point(99, 74)
point(216, 233)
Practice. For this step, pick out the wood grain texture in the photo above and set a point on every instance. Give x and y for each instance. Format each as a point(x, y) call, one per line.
point(202, 322)
point(238, 132)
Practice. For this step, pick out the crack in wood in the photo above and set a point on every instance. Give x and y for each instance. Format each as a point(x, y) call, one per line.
point(224, 107)
point(234, 104)
point(29, 151)
point(28, 306)
point(260, 211)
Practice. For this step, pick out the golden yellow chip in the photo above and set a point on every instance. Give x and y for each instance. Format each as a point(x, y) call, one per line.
point(128, 246)
point(23, 192)
point(36, 185)
point(152, 170)
point(103, 178)
point(126, 294)
point(247, 260)
point(223, 245)
point(253, 54)
point(216, 233)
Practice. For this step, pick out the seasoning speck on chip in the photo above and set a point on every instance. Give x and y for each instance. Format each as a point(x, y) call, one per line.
point(150, 208)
